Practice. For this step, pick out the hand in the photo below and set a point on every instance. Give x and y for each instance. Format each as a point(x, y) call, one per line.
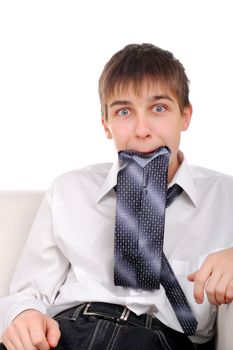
point(215, 276)
point(31, 330)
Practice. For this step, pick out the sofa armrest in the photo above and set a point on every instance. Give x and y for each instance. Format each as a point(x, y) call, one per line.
point(224, 327)
point(17, 212)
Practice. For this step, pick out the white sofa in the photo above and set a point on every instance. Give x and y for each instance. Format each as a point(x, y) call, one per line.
point(17, 211)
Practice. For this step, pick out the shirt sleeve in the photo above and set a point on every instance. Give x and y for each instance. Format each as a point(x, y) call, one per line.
point(41, 269)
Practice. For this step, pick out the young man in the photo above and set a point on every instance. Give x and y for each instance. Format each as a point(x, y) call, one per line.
point(88, 260)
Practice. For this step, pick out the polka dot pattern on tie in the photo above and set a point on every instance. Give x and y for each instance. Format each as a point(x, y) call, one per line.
point(142, 198)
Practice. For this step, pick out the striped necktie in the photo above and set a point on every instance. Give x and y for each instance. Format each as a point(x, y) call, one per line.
point(142, 198)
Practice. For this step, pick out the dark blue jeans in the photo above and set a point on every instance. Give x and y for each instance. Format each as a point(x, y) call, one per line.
point(83, 332)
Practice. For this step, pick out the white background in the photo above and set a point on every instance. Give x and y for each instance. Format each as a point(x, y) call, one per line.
point(51, 56)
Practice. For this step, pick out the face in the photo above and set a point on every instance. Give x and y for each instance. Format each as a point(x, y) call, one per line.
point(147, 121)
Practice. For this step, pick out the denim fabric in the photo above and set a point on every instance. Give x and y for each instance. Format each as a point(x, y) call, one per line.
point(95, 333)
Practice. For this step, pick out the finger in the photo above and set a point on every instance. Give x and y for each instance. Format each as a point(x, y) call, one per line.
point(9, 345)
point(53, 332)
point(214, 288)
point(229, 292)
point(221, 290)
point(200, 280)
point(11, 339)
point(26, 339)
point(191, 276)
point(37, 335)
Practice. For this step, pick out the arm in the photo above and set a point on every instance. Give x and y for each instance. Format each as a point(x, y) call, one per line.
point(41, 270)
point(215, 276)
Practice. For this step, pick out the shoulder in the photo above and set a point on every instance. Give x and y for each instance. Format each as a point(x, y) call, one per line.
point(211, 177)
point(86, 176)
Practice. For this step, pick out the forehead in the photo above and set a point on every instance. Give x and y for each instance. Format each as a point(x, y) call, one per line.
point(146, 90)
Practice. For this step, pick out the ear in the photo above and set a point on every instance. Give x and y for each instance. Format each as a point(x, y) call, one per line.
point(187, 116)
point(106, 128)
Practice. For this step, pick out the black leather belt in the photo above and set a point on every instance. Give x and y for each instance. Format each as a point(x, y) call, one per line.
point(114, 312)
point(122, 314)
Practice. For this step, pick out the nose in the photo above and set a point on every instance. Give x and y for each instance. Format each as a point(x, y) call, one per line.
point(142, 129)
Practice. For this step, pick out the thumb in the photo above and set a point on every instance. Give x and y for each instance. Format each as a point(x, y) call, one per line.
point(191, 277)
point(53, 332)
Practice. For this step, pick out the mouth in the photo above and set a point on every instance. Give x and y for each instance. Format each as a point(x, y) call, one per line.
point(149, 152)
point(144, 154)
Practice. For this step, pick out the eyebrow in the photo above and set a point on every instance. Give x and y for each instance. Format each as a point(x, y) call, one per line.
point(150, 99)
point(120, 102)
point(161, 97)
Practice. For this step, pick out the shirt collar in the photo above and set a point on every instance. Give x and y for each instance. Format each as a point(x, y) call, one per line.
point(110, 181)
point(182, 177)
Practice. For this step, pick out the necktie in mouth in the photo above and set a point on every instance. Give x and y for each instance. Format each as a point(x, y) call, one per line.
point(142, 198)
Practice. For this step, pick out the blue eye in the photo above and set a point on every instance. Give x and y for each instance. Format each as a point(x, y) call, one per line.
point(159, 108)
point(123, 112)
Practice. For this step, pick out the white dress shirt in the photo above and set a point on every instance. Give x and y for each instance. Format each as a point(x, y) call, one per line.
point(69, 255)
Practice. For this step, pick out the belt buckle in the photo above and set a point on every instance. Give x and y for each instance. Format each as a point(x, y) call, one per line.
point(124, 315)
point(90, 313)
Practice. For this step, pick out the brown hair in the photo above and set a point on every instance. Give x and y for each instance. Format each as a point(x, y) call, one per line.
point(136, 63)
